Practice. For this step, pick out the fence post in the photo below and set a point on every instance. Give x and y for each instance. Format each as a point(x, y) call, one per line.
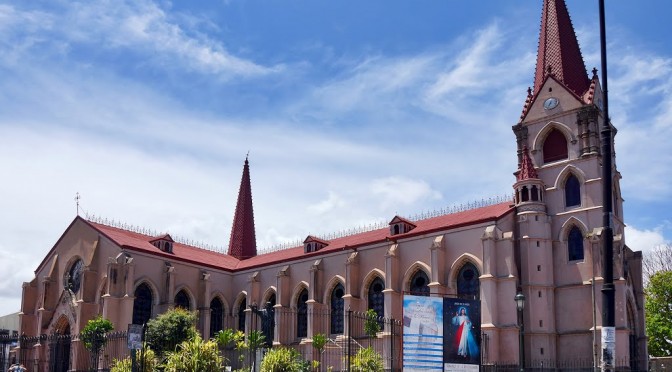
point(349, 338)
point(392, 332)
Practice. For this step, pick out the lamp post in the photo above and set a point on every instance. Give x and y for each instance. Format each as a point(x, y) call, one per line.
point(520, 306)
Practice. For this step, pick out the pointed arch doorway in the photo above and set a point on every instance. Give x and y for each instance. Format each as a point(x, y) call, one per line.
point(59, 346)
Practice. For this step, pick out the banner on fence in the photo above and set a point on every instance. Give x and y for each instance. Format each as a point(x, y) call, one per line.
point(462, 330)
point(134, 336)
point(441, 334)
point(423, 333)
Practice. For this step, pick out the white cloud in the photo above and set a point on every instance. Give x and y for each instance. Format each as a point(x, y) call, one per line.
point(334, 201)
point(646, 239)
point(401, 191)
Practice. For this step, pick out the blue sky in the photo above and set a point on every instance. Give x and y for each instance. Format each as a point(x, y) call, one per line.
point(351, 111)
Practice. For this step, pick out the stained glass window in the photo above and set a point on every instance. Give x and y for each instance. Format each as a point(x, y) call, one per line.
point(216, 316)
point(302, 314)
point(182, 300)
point(468, 285)
point(142, 305)
point(575, 244)
point(337, 304)
point(420, 284)
point(377, 297)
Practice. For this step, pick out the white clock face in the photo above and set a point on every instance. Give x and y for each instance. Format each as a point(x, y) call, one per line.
point(550, 103)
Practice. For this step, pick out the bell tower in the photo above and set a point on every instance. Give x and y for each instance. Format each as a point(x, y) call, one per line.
point(559, 197)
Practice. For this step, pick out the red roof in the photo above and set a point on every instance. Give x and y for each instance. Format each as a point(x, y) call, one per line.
point(559, 54)
point(182, 252)
point(243, 241)
point(526, 170)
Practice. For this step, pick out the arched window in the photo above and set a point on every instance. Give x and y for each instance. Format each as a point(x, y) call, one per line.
point(268, 320)
point(575, 244)
point(241, 314)
point(337, 309)
point(302, 314)
point(572, 191)
point(216, 316)
point(74, 277)
point(468, 285)
point(377, 297)
point(420, 284)
point(182, 300)
point(142, 305)
point(555, 146)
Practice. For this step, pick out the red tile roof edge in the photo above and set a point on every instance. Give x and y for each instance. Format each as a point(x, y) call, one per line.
point(240, 265)
point(354, 247)
point(44, 260)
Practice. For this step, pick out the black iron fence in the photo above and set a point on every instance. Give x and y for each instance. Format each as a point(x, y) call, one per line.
point(573, 365)
point(60, 353)
point(346, 335)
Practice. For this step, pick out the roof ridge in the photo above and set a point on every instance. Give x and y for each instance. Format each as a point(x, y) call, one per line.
point(455, 208)
point(452, 209)
point(152, 234)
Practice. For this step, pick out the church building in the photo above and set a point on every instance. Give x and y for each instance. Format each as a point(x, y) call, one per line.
point(545, 243)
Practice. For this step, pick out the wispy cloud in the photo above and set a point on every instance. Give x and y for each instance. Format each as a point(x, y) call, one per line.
point(141, 27)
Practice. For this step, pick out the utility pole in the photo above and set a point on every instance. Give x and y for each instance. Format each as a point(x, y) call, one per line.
point(608, 290)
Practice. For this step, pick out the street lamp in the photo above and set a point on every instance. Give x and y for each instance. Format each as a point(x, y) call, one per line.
point(520, 306)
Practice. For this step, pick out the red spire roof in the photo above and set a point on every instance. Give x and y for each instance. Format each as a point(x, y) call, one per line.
point(559, 54)
point(527, 170)
point(243, 242)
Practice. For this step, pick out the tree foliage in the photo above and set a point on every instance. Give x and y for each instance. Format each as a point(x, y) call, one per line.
point(372, 323)
point(658, 308)
point(93, 334)
point(170, 329)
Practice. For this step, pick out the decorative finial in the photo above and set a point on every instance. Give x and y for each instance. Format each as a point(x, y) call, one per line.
point(529, 91)
point(77, 197)
point(247, 156)
point(594, 72)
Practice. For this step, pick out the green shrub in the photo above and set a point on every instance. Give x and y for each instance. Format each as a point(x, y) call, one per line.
point(366, 360)
point(282, 359)
point(124, 365)
point(93, 334)
point(94, 337)
point(195, 355)
point(170, 329)
point(229, 338)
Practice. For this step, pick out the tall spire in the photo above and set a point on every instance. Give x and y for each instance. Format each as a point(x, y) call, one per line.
point(243, 241)
point(559, 54)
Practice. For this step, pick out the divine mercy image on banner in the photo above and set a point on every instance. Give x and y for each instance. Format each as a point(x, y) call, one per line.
point(462, 334)
point(423, 333)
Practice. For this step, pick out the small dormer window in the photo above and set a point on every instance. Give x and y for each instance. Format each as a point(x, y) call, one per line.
point(400, 225)
point(313, 244)
point(164, 243)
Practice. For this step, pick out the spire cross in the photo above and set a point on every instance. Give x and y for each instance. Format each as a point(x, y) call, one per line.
point(77, 197)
